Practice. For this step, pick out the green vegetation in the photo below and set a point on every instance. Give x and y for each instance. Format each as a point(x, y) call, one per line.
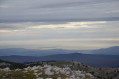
point(17, 70)
point(16, 75)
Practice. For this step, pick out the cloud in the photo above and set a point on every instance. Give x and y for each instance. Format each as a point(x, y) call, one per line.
point(79, 23)
point(70, 25)
point(71, 44)
point(93, 39)
point(40, 25)
point(5, 31)
point(58, 11)
point(4, 6)
point(19, 30)
point(71, 4)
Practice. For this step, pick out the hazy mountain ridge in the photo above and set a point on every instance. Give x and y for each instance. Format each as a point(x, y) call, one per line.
point(107, 51)
point(30, 52)
point(89, 59)
point(101, 57)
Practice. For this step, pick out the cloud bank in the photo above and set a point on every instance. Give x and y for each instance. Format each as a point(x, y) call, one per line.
point(66, 24)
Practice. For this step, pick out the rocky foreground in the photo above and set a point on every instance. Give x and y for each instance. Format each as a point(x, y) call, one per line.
point(44, 72)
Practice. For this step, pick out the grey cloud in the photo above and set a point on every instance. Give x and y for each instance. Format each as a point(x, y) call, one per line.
point(62, 5)
point(57, 11)
point(13, 26)
point(7, 27)
point(21, 14)
point(50, 21)
point(73, 4)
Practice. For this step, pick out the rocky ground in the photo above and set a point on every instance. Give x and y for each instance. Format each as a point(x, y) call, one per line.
point(45, 72)
point(55, 70)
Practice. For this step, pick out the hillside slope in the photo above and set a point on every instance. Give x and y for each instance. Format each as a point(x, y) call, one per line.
point(89, 59)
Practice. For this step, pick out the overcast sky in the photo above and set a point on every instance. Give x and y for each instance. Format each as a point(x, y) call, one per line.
point(59, 24)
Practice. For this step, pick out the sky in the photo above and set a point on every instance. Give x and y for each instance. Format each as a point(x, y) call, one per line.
point(59, 24)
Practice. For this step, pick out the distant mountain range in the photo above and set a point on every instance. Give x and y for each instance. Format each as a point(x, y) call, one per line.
point(107, 51)
point(88, 59)
point(106, 57)
point(30, 52)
